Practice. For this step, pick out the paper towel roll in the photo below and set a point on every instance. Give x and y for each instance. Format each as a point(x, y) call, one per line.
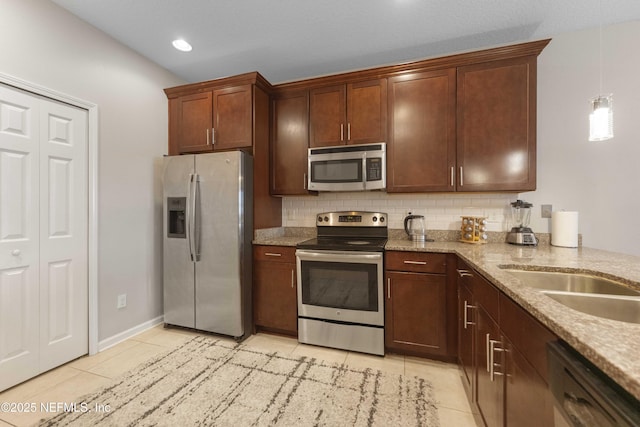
point(564, 229)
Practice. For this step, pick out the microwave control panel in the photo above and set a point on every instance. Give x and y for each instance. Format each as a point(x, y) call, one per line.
point(374, 169)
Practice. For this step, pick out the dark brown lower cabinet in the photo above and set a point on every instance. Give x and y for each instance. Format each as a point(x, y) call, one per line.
point(274, 290)
point(466, 329)
point(415, 313)
point(528, 402)
point(420, 304)
point(502, 352)
point(490, 365)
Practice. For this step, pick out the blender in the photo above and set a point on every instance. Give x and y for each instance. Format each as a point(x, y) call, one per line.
point(520, 233)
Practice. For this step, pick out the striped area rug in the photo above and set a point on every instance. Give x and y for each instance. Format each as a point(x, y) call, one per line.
point(210, 382)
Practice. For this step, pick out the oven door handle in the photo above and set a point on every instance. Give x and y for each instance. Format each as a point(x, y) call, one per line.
point(338, 256)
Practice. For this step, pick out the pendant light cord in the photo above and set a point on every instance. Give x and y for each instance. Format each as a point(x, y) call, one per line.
point(600, 42)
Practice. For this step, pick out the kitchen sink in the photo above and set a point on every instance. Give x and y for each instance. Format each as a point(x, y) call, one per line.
point(571, 282)
point(615, 307)
point(592, 295)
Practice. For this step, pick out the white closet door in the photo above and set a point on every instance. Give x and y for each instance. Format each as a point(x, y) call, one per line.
point(63, 234)
point(43, 235)
point(19, 237)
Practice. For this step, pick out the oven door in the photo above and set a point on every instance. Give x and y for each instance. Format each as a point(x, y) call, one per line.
point(344, 286)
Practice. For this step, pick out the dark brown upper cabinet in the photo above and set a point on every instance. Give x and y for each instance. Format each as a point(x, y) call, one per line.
point(289, 143)
point(232, 118)
point(192, 119)
point(421, 153)
point(496, 125)
point(216, 115)
point(352, 113)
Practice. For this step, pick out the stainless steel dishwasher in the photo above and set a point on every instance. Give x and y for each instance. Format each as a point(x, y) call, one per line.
point(585, 396)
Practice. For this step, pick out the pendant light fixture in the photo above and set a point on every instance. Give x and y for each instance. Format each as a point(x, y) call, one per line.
point(601, 116)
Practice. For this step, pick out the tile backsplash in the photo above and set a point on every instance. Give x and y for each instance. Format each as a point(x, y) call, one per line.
point(441, 211)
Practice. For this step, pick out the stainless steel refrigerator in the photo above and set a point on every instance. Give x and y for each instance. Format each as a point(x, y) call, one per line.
point(208, 228)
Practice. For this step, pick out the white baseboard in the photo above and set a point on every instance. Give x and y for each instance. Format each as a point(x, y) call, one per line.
point(125, 335)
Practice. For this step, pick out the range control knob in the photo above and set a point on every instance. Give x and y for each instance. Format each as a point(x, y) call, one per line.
point(381, 219)
point(326, 219)
point(375, 219)
point(319, 219)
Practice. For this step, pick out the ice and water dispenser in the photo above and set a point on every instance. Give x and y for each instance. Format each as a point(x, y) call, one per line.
point(177, 216)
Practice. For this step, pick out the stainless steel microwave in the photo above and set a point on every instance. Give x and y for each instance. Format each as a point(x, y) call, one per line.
point(348, 168)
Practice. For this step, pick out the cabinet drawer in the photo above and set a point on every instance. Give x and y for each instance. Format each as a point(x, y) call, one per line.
point(487, 295)
point(274, 253)
point(526, 333)
point(420, 262)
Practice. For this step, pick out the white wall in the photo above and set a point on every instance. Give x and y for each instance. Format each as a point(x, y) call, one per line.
point(47, 46)
point(601, 180)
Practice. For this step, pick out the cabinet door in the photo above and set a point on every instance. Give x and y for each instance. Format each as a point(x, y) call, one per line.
point(496, 122)
point(274, 297)
point(421, 153)
point(191, 123)
point(290, 143)
point(466, 329)
point(415, 313)
point(232, 121)
point(367, 112)
point(327, 113)
point(528, 400)
point(489, 388)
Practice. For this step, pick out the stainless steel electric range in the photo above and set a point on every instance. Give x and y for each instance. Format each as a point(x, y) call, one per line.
point(340, 282)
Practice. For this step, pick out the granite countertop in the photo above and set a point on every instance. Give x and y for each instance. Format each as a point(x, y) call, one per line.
point(280, 240)
point(611, 345)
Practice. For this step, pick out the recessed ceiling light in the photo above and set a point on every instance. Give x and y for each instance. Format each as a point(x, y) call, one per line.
point(182, 45)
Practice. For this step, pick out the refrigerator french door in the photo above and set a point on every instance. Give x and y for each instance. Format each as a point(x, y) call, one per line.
point(208, 228)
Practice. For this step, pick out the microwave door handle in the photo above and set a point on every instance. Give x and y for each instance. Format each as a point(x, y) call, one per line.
point(364, 171)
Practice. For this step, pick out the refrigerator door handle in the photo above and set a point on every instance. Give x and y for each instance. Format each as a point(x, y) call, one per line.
point(190, 216)
point(196, 218)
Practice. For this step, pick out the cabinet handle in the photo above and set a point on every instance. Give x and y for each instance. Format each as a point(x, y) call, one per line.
point(488, 338)
point(208, 136)
point(272, 254)
point(389, 288)
point(464, 273)
point(341, 132)
point(213, 136)
point(461, 177)
point(467, 306)
point(292, 273)
point(453, 178)
point(416, 262)
point(349, 131)
point(304, 184)
point(492, 350)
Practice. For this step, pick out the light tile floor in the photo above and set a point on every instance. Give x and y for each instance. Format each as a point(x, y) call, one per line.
point(86, 374)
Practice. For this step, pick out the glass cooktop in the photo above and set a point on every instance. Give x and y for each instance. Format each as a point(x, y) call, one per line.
point(350, 243)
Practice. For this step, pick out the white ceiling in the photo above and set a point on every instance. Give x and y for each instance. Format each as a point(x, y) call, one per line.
point(294, 39)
